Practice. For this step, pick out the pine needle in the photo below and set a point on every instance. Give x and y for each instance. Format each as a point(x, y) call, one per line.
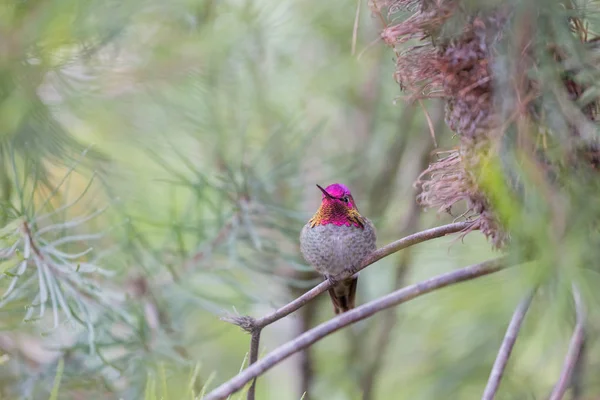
point(209, 380)
point(429, 122)
point(355, 29)
point(57, 379)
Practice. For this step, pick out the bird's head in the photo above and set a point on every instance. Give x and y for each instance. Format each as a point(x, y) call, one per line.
point(337, 195)
point(337, 207)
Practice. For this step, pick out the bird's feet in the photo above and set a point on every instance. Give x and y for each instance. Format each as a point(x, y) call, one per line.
point(332, 280)
point(335, 279)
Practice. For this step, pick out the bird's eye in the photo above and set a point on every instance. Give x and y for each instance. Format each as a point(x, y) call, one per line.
point(345, 199)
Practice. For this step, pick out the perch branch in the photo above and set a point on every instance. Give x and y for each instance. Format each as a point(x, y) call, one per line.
point(254, 326)
point(377, 255)
point(357, 314)
point(506, 348)
point(577, 340)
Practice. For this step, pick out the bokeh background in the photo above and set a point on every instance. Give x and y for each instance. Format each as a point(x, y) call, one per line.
point(193, 132)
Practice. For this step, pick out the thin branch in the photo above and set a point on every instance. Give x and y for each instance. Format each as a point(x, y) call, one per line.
point(254, 346)
point(388, 322)
point(410, 224)
point(254, 326)
point(305, 320)
point(506, 348)
point(380, 191)
point(577, 340)
point(577, 381)
point(305, 363)
point(429, 123)
point(355, 29)
point(377, 255)
point(357, 314)
point(217, 241)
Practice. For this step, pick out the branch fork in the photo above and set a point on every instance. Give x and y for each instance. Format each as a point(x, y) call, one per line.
point(255, 326)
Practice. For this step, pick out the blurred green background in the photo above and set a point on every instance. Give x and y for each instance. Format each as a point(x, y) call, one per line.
point(205, 126)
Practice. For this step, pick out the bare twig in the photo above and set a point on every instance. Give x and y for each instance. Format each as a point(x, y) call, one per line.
point(506, 348)
point(377, 255)
point(357, 314)
point(254, 326)
point(305, 362)
point(577, 381)
point(577, 340)
point(364, 115)
point(213, 244)
point(389, 317)
point(355, 29)
point(380, 191)
point(388, 322)
point(429, 122)
point(254, 346)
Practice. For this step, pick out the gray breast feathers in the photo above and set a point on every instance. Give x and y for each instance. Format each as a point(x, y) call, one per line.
point(331, 249)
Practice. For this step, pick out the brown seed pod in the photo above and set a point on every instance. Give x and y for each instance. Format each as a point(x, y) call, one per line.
point(456, 66)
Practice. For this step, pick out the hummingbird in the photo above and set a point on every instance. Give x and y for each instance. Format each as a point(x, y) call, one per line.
point(335, 239)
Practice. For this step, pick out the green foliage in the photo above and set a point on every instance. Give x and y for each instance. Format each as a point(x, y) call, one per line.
point(157, 162)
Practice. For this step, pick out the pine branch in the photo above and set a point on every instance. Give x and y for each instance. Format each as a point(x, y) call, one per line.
point(506, 348)
point(357, 314)
point(254, 326)
point(577, 341)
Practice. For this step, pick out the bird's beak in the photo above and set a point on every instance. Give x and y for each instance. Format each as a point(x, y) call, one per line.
point(325, 192)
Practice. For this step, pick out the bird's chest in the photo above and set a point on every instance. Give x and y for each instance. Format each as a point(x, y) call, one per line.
point(332, 249)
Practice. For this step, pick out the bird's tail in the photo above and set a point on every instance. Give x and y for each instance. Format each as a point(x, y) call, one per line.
point(343, 294)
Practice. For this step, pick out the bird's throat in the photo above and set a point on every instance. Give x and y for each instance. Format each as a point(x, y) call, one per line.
point(337, 214)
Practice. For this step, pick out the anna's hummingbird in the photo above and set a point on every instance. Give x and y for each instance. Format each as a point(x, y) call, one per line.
point(335, 239)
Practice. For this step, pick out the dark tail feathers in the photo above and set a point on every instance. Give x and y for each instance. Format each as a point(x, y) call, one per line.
point(343, 295)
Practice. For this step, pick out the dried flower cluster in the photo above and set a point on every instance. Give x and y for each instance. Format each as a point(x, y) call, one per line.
point(466, 55)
